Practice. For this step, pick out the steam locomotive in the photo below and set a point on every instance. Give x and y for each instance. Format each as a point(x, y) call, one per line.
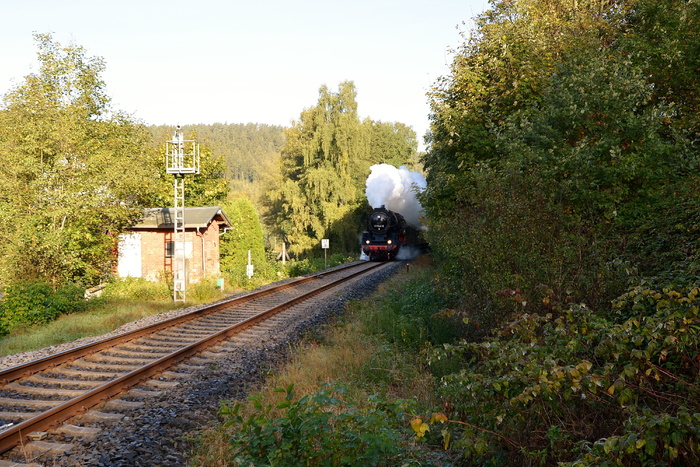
point(387, 234)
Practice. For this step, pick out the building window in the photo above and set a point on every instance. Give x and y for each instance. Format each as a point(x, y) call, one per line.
point(169, 249)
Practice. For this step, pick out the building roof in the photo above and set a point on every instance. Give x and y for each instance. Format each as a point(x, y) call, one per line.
point(200, 217)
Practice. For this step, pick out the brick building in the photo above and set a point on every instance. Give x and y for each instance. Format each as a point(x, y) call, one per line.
point(147, 250)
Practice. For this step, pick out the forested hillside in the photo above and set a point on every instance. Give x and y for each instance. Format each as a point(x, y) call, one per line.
point(563, 210)
point(249, 151)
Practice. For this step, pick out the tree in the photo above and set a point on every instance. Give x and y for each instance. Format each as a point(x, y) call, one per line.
point(392, 143)
point(551, 143)
point(499, 69)
point(324, 165)
point(245, 235)
point(72, 179)
point(317, 165)
point(659, 38)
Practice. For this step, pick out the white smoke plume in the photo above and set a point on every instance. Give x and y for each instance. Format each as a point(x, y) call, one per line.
point(396, 189)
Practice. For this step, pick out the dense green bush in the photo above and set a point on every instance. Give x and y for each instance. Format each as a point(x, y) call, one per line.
point(583, 388)
point(35, 302)
point(205, 290)
point(415, 315)
point(69, 298)
point(322, 429)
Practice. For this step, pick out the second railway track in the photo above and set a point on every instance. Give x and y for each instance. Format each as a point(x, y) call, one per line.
point(39, 395)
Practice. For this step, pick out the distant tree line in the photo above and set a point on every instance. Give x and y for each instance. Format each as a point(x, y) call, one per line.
point(248, 151)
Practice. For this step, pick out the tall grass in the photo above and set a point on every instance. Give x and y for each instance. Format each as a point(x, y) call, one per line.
point(123, 301)
point(102, 317)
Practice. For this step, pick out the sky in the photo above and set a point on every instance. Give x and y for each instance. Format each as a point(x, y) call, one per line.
point(233, 61)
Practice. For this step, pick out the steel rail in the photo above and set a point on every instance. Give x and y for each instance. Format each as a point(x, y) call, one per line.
point(19, 371)
point(44, 421)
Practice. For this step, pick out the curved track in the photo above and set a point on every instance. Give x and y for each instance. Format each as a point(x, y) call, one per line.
point(43, 393)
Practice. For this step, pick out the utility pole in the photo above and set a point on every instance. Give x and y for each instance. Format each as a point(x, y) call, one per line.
point(181, 158)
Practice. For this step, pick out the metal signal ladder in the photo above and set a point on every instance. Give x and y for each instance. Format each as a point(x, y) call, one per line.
point(182, 157)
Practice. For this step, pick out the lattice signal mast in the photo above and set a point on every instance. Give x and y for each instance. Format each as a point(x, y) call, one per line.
point(181, 158)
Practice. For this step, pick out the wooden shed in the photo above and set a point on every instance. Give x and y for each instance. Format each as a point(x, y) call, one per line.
point(147, 249)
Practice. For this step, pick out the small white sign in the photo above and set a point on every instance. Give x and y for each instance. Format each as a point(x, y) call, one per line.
point(249, 270)
point(325, 243)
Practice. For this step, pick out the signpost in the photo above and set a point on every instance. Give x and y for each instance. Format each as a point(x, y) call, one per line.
point(325, 244)
point(249, 267)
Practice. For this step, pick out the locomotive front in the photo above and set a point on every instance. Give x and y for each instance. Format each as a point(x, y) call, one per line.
point(385, 234)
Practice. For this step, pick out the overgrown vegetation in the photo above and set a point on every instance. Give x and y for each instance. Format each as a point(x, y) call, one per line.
point(319, 429)
point(35, 302)
point(99, 317)
point(562, 210)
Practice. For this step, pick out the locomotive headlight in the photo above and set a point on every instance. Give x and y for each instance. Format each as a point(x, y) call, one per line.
point(388, 242)
point(367, 242)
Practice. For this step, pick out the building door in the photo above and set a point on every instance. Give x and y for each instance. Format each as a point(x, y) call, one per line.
point(129, 264)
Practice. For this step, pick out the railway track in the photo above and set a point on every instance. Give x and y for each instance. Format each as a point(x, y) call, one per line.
point(42, 394)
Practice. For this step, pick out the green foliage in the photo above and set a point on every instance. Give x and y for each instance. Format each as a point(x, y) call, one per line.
point(68, 298)
point(578, 387)
point(137, 288)
point(395, 143)
point(556, 159)
point(204, 291)
point(562, 170)
point(415, 315)
point(244, 235)
point(648, 439)
point(35, 302)
point(75, 172)
point(595, 133)
point(656, 36)
point(322, 429)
